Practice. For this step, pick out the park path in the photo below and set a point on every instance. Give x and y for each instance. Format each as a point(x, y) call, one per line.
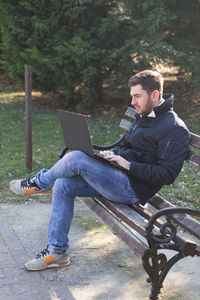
point(101, 267)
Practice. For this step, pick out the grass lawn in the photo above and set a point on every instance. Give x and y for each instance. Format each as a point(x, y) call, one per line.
point(48, 141)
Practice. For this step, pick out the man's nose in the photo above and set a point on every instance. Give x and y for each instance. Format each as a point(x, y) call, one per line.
point(133, 101)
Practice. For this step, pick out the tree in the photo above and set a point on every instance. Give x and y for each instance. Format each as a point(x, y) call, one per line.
point(183, 36)
point(76, 46)
point(168, 31)
point(151, 20)
point(72, 46)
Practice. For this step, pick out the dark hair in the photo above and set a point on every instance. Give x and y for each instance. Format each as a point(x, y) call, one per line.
point(149, 80)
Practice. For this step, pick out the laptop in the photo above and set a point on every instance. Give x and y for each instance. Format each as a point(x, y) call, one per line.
point(77, 136)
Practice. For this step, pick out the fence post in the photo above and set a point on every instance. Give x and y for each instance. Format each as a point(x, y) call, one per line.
point(28, 110)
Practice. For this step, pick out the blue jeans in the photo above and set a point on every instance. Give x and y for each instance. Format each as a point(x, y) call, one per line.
point(77, 174)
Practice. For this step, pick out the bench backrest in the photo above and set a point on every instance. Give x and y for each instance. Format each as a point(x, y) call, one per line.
point(157, 202)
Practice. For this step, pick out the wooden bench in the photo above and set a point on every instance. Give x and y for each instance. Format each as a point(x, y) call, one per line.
point(149, 232)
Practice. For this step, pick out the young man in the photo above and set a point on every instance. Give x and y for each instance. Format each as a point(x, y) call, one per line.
point(152, 154)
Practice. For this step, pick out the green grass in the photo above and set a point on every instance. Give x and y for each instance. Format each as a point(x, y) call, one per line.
point(48, 142)
point(46, 137)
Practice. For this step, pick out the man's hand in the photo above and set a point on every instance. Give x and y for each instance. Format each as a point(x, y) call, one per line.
point(116, 158)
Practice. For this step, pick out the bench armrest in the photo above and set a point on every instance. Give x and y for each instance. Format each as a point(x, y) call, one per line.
point(169, 211)
point(168, 230)
point(64, 150)
point(108, 147)
point(96, 147)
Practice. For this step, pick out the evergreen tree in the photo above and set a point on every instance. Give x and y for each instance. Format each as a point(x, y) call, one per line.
point(150, 20)
point(72, 46)
point(75, 46)
point(167, 31)
point(183, 36)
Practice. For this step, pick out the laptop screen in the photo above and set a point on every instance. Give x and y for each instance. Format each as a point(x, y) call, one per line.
point(75, 131)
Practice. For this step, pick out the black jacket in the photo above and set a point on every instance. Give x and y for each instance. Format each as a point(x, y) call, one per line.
point(156, 148)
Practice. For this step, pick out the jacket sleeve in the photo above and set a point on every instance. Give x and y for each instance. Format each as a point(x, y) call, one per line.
point(171, 153)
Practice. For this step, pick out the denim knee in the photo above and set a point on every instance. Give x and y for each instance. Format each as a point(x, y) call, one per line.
point(74, 161)
point(63, 187)
point(76, 154)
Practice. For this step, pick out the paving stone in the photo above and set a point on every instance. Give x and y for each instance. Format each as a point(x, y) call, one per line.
point(20, 289)
point(9, 281)
point(3, 249)
point(14, 272)
point(15, 282)
point(6, 290)
point(25, 296)
point(2, 274)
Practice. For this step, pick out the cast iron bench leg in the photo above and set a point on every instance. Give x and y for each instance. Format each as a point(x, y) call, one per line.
point(157, 267)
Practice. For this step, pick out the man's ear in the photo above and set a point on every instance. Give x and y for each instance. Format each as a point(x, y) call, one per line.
point(155, 96)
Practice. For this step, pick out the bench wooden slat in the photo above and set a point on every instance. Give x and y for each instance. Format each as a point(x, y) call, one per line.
point(127, 215)
point(198, 250)
point(134, 216)
point(132, 241)
point(124, 124)
point(194, 140)
point(193, 158)
point(137, 217)
point(130, 112)
point(183, 242)
point(187, 222)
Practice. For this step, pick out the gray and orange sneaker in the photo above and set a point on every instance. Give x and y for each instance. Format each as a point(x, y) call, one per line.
point(45, 260)
point(27, 187)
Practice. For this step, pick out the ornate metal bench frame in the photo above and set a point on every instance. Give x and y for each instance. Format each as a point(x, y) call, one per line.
point(144, 231)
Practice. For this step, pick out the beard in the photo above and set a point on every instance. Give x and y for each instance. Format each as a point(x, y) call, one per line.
point(146, 108)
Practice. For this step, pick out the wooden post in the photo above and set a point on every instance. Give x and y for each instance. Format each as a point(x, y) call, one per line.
point(28, 109)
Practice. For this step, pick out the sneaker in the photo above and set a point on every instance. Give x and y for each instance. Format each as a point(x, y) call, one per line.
point(27, 187)
point(45, 260)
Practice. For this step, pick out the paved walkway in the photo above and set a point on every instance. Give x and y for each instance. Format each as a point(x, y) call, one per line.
point(101, 267)
point(15, 282)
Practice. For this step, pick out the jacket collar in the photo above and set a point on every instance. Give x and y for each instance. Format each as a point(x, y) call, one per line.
point(167, 105)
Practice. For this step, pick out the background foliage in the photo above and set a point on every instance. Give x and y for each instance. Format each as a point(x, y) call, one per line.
point(78, 47)
point(72, 46)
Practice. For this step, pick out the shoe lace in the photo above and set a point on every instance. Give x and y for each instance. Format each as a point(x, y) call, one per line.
point(26, 183)
point(42, 253)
